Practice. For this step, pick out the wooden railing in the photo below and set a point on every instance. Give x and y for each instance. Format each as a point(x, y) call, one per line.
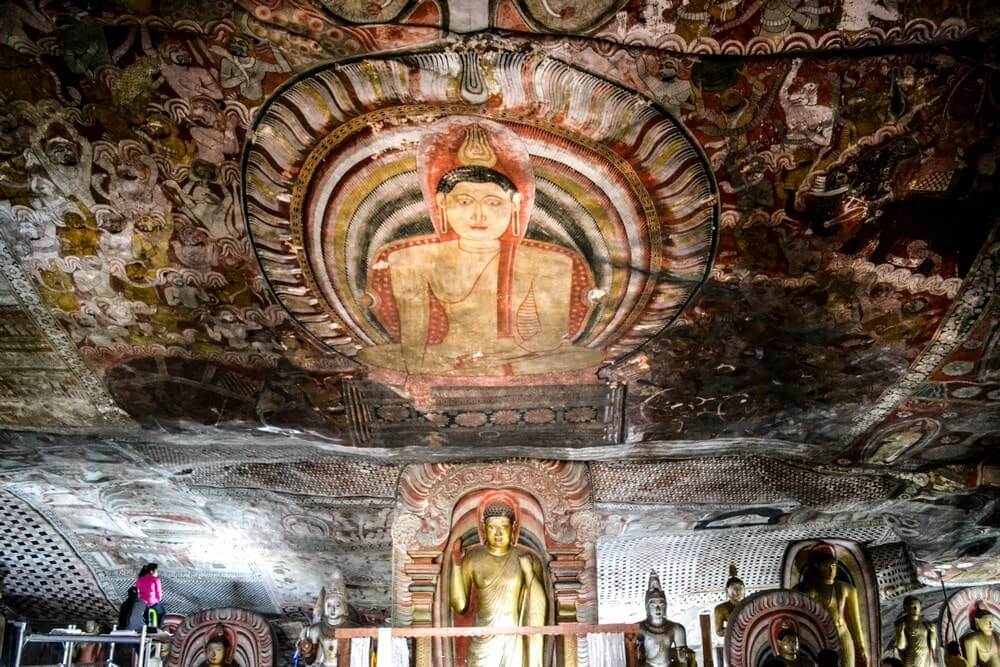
point(567, 656)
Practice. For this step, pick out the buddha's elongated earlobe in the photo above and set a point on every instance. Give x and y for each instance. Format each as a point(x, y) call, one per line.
point(444, 214)
point(515, 222)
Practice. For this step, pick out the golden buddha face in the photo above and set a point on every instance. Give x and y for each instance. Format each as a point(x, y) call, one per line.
point(656, 611)
point(498, 531)
point(215, 653)
point(984, 623)
point(477, 211)
point(912, 607)
point(788, 647)
point(827, 570)
point(735, 591)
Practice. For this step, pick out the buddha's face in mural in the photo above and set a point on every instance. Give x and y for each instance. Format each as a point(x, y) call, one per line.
point(478, 211)
point(656, 611)
point(826, 569)
point(498, 531)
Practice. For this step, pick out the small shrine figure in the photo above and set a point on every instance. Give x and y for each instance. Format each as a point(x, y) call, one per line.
point(980, 646)
point(734, 595)
point(916, 639)
point(333, 613)
point(662, 642)
point(89, 654)
point(785, 644)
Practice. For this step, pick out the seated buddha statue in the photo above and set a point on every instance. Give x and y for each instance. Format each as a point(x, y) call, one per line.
point(477, 298)
point(785, 643)
point(220, 647)
point(980, 646)
point(662, 642)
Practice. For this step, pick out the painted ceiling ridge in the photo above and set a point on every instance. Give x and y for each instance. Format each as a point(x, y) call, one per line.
point(971, 304)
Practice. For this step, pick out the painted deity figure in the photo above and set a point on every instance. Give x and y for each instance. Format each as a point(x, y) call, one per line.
point(980, 646)
point(662, 642)
point(840, 598)
point(807, 120)
point(510, 591)
point(734, 595)
point(478, 298)
point(331, 607)
point(916, 639)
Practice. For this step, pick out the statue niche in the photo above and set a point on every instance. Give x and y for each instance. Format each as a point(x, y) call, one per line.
point(782, 625)
point(838, 575)
point(971, 619)
point(496, 575)
point(222, 638)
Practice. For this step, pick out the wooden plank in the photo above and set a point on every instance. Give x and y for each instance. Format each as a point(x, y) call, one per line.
point(564, 629)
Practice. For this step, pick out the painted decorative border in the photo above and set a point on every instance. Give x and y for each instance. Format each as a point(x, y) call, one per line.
point(963, 316)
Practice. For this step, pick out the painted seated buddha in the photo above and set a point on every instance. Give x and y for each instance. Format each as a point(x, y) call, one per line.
point(477, 298)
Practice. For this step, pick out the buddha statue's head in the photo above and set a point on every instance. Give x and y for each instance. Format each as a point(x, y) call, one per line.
point(332, 603)
point(788, 644)
point(499, 522)
point(218, 647)
point(656, 601)
point(984, 621)
point(735, 589)
point(824, 560)
point(911, 607)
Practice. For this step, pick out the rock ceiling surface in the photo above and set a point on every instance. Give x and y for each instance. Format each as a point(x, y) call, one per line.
point(774, 233)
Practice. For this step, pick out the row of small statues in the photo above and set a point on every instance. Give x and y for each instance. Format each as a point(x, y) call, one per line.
point(916, 640)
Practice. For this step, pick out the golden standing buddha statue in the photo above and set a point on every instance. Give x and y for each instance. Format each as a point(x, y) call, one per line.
point(916, 639)
point(840, 599)
point(510, 591)
point(980, 646)
point(735, 591)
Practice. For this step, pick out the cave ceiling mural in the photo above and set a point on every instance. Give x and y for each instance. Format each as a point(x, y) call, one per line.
point(258, 257)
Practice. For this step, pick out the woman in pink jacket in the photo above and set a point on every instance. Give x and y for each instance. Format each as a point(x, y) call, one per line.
point(150, 592)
